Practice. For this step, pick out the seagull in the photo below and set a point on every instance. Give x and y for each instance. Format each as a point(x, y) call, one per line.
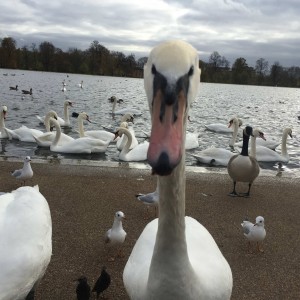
point(83, 290)
point(116, 235)
point(102, 282)
point(255, 232)
point(24, 173)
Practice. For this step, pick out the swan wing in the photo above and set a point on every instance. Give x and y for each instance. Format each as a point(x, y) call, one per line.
point(26, 241)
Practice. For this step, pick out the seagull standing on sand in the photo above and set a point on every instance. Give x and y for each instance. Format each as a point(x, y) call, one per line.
point(116, 235)
point(256, 232)
point(24, 173)
point(102, 282)
point(83, 290)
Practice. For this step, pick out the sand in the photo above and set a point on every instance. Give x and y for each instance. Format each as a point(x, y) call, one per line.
point(83, 200)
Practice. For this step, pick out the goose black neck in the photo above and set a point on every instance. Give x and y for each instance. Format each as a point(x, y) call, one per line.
point(245, 144)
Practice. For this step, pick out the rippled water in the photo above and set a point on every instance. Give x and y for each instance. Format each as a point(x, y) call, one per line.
point(269, 108)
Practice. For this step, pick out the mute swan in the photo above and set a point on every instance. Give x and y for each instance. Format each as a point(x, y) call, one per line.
point(27, 92)
point(13, 88)
point(46, 139)
point(267, 155)
point(263, 142)
point(255, 232)
point(219, 156)
point(116, 235)
point(62, 122)
point(102, 283)
point(242, 167)
point(24, 173)
point(175, 257)
point(138, 153)
point(26, 241)
point(121, 142)
point(222, 128)
point(80, 145)
point(3, 113)
point(128, 110)
point(23, 133)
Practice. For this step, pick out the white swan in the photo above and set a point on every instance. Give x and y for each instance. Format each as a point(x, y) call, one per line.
point(24, 173)
point(23, 133)
point(46, 139)
point(264, 154)
point(26, 241)
point(96, 134)
point(81, 145)
point(219, 156)
point(3, 114)
point(221, 128)
point(138, 153)
point(62, 122)
point(123, 111)
point(121, 142)
point(242, 167)
point(175, 257)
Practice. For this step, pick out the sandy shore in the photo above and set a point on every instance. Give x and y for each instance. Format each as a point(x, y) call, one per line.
point(83, 200)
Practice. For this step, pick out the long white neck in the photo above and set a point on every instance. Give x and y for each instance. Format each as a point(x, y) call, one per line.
point(58, 132)
point(283, 144)
point(125, 149)
point(66, 113)
point(47, 123)
point(114, 105)
point(253, 146)
point(2, 125)
point(80, 126)
point(234, 134)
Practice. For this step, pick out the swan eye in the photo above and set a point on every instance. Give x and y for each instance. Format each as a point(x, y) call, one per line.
point(191, 71)
point(153, 70)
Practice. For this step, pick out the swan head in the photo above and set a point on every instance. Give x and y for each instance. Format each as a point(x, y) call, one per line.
point(259, 221)
point(84, 116)
point(128, 118)
point(68, 103)
point(4, 111)
point(171, 81)
point(120, 130)
point(236, 122)
point(119, 215)
point(289, 132)
point(258, 133)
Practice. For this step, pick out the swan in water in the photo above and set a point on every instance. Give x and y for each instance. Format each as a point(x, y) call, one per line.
point(138, 153)
point(24, 173)
point(121, 142)
point(219, 156)
point(26, 241)
point(46, 139)
point(62, 122)
point(80, 145)
point(3, 114)
point(123, 111)
point(242, 167)
point(222, 128)
point(175, 257)
point(264, 154)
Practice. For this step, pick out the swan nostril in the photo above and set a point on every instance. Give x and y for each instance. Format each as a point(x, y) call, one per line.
point(162, 166)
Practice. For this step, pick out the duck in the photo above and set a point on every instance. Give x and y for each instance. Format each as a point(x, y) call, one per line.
point(264, 154)
point(96, 134)
point(219, 156)
point(116, 235)
point(24, 173)
point(14, 88)
point(122, 140)
point(255, 233)
point(242, 167)
point(129, 110)
point(26, 241)
point(27, 92)
point(175, 257)
point(138, 153)
point(62, 122)
point(3, 114)
point(46, 139)
point(222, 128)
point(84, 145)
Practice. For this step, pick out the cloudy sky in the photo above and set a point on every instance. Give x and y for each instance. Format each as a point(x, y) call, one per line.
point(235, 28)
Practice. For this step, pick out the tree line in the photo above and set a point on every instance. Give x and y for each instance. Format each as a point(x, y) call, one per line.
point(98, 60)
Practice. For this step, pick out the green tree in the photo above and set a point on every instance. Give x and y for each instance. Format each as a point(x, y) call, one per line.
point(261, 69)
point(8, 53)
point(240, 71)
point(47, 51)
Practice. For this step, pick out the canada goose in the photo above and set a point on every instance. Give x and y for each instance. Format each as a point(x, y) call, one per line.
point(242, 167)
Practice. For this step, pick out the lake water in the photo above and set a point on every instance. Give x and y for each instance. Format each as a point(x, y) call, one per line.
point(269, 108)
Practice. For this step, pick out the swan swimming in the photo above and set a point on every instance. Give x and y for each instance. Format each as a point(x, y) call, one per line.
point(26, 241)
point(175, 257)
point(123, 111)
point(3, 114)
point(222, 128)
point(121, 142)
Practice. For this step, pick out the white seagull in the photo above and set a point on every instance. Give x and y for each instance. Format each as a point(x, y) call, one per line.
point(24, 173)
point(255, 233)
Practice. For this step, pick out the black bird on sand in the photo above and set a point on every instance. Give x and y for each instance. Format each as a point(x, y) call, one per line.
point(83, 289)
point(102, 282)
